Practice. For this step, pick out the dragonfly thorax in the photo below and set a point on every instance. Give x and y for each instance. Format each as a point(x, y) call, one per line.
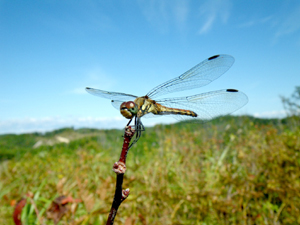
point(128, 109)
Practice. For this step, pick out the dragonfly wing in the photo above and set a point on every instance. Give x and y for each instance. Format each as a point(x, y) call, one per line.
point(111, 95)
point(208, 105)
point(116, 104)
point(198, 76)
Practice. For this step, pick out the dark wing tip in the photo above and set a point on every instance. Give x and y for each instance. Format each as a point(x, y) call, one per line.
point(232, 90)
point(87, 88)
point(213, 57)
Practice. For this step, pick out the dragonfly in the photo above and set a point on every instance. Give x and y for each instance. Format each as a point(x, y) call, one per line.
point(199, 108)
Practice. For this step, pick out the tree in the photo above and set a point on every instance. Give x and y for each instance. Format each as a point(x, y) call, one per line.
point(292, 105)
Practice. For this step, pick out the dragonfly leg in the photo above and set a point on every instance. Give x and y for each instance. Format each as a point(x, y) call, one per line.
point(139, 127)
point(129, 122)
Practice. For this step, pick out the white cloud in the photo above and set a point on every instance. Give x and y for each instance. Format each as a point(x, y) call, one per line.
point(271, 114)
point(156, 13)
point(95, 78)
point(288, 25)
point(162, 13)
point(208, 24)
point(254, 22)
point(180, 12)
point(211, 11)
point(27, 125)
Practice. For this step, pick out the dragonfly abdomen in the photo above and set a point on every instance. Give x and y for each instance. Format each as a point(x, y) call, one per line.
point(169, 111)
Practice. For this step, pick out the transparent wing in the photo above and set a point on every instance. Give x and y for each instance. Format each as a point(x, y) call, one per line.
point(198, 76)
point(116, 104)
point(208, 105)
point(111, 95)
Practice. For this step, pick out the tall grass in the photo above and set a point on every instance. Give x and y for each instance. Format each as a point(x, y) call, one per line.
point(236, 171)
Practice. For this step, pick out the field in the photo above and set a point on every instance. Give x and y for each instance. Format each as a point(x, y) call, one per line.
point(233, 170)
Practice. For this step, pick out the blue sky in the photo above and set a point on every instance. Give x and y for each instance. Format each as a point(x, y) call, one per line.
point(51, 50)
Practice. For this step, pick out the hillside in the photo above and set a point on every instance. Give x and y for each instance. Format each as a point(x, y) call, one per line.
point(233, 170)
point(12, 145)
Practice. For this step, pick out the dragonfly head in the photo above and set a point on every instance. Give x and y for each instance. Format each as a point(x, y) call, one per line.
point(128, 109)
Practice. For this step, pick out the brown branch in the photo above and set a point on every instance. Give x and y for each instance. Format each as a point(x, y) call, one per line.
point(119, 168)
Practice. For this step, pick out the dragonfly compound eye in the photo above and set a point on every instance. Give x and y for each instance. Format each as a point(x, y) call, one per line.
point(128, 109)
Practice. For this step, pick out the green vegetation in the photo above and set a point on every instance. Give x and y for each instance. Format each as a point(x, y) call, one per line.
point(292, 107)
point(233, 170)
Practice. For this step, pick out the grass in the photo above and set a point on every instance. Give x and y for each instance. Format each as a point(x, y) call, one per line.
point(234, 170)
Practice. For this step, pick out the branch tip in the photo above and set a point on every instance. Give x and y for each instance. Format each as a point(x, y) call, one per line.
point(129, 131)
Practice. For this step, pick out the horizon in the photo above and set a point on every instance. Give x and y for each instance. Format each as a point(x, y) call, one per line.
point(43, 132)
